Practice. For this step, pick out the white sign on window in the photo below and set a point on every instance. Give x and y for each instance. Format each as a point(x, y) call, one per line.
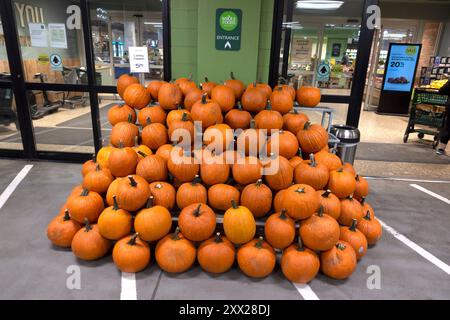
point(38, 34)
point(138, 59)
point(58, 38)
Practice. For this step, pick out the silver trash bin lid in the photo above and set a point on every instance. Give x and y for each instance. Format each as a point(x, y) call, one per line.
point(346, 134)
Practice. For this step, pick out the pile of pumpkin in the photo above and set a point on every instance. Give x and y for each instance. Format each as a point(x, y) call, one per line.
point(132, 190)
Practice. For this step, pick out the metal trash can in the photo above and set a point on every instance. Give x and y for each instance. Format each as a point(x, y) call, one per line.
point(349, 138)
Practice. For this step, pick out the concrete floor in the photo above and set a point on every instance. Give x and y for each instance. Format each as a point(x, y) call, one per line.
point(30, 268)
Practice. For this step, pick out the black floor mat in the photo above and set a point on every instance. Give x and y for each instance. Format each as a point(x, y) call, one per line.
point(84, 121)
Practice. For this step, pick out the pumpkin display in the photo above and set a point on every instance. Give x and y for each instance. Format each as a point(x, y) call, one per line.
point(136, 96)
point(214, 172)
point(86, 205)
point(251, 140)
point(88, 244)
point(328, 159)
point(253, 100)
point(308, 96)
point(179, 128)
point(279, 230)
point(224, 96)
point(349, 168)
point(299, 264)
point(312, 173)
point(192, 97)
point(153, 88)
point(355, 238)
point(341, 183)
point(367, 207)
point(247, 171)
point(142, 151)
point(98, 180)
point(235, 84)
point(224, 135)
point(370, 228)
point(152, 222)
point(123, 82)
point(257, 197)
point(278, 201)
point(197, 221)
point(122, 161)
point(339, 262)
point(294, 121)
point(163, 194)
point(312, 137)
point(362, 188)
point(269, 120)
point(176, 115)
point(263, 87)
point(120, 113)
point(131, 254)
point(296, 160)
point(283, 177)
point(154, 112)
point(186, 85)
point(287, 89)
point(112, 191)
point(206, 111)
point(220, 196)
point(125, 133)
point(330, 203)
point(175, 245)
point(88, 166)
point(281, 101)
point(216, 255)
point(256, 258)
point(300, 201)
point(62, 229)
point(239, 224)
point(132, 193)
point(164, 151)
point(320, 232)
point(170, 96)
point(350, 209)
point(114, 223)
point(208, 86)
point(182, 165)
point(238, 118)
point(285, 142)
point(154, 135)
point(191, 192)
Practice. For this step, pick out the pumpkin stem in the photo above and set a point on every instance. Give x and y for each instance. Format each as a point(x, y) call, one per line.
point(66, 215)
point(87, 225)
point(258, 183)
point(350, 197)
point(130, 118)
point(148, 120)
point(121, 144)
point(84, 193)
point(239, 105)
point(254, 84)
point(97, 167)
point(218, 238)
point(363, 200)
point(279, 88)
point(300, 190)
point(307, 125)
point(357, 177)
point(320, 211)
point(204, 96)
point(133, 239)
point(158, 186)
point(367, 216)
point(190, 76)
point(196, 180)
point(326, 193)
point(176, 234)
point(313, 160)
point(353, 226)
point(269, 106)
point(133, 182)
point(232, 75)
point(259, 243)
point(340, 170)
point(197, 210)
point(184, 117)
point(142, 153)
point(300, 153)
point(300, 244)
point(234, 204)
point(149, 202)
point(294, 111)
point(252, 124)
point(206, 79)
point(115, 204)
point(340, 246)
point(283, 214)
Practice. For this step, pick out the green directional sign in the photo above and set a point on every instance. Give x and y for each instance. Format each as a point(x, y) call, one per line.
point(228, 29)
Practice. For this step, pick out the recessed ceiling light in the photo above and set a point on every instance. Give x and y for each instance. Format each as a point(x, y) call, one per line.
point(319, 4)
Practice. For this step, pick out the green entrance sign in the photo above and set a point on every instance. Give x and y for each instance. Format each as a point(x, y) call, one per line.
point(228, 29)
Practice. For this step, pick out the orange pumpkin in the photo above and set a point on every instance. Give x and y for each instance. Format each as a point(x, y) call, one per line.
point(355, 238)
point(114, 223)
point(341, 183)
point(177, 114)
point(154, 112)
point(247, 171)
point(235, 84)
point(206, 111)
point(153, 222)
point(98, 180)
point(367, 207)
point(371, 228)
point(163, 194)
point(152, 168)
point(197, 221)
point(132, 193)
point(215, 171)
point(216, 255)
point(191, 192)
point(238, 118)
point(312, 138)
point(362, 188)
point(257, 197)
point(136, 96)
point(192, 97)
point(285, 142)
point(300, 201)
point(299, 264)
point(312, 173)
point(350, 209)
point(142, 151)
point(123, 82)
point(153, 88)
point(339, 262)
point(88, 166)
point(175, 245)
point(186, 85)
point(125, 133)
point(88, 244)
point(254, 100)
point(263, 87)
point(283, 177)
point(170, 96)
point(349, 168)
point(296, 160)
point(182, 165)
point(330, 203)
point(319, 232)
point(154, 135)
point(328, 159)
point(131, 254)
point(62, 229)
point(224, 96)
point(86, 205)
point(308, 96)
point(207, 86)
point(269, 120)
point(112, 191)
point(278, 201)
point(286, 88)
point(279, 230)
point(281, 101)
point(256, 259)
point(224, 135)
point(120, 113)
point(164, 151)
point(294, 121)
point(122, 161)
point(220, 196)
point(181, 130)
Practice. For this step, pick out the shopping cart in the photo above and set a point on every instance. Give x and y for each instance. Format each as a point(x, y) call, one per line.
point(74, 75)
point(428, 109)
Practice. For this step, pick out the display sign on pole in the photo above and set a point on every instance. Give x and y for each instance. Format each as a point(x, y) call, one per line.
point(58, 38)
point(138, 59)
point(38, 35)
point(228, 29)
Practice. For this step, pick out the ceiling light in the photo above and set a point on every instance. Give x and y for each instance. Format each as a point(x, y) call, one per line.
point(319, 4)
point(153, 23)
